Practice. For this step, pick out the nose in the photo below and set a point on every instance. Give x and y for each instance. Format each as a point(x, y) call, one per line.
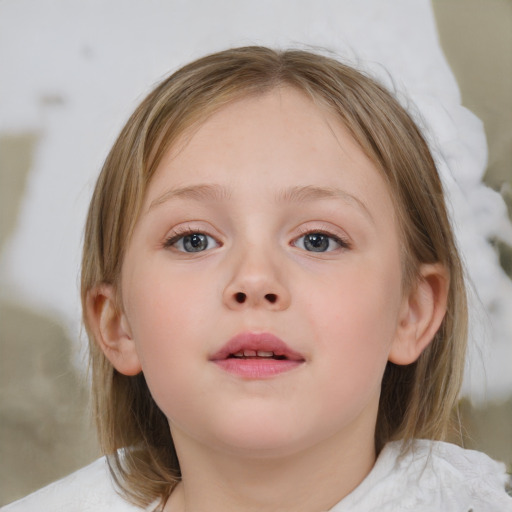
point(256, 282)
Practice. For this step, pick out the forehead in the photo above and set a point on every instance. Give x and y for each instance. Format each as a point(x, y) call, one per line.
point(258, 129)
point(266, 145)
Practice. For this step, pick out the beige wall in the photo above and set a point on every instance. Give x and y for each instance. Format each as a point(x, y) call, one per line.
point(476, 36)
point(45, 431)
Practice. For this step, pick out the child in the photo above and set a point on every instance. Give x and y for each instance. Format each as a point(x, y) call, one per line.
point(275, 303)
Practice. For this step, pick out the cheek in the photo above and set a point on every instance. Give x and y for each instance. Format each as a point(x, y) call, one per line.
point(165, 315)
point(354, 318)
point(162, 303)
point(358, 299)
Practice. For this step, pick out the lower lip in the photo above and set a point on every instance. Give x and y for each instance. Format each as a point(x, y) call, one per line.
point(257, 368)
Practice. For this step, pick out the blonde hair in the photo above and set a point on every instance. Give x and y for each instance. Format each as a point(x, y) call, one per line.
point(416, 400)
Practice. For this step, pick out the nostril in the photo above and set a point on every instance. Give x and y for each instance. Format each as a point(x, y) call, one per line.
point(240, 297)
point(271, 297)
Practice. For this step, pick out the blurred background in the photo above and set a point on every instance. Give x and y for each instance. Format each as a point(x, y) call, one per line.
point(476, 38)
point(70, 74)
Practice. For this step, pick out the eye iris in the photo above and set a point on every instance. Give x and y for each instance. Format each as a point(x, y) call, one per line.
point(316, 242)
point(195, 242)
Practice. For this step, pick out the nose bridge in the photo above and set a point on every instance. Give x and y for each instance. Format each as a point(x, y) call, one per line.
point(256, 277)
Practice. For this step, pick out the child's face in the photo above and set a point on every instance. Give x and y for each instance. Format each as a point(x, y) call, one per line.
point(267, 223)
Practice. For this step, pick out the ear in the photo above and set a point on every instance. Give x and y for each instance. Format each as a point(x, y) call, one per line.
point(421, 314)
point(111, 330)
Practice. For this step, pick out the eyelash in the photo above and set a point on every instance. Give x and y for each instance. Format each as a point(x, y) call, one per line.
point(342, 242)
point(182, 232)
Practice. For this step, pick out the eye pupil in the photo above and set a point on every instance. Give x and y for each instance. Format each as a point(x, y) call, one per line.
point(316, 242)
point(195, 242)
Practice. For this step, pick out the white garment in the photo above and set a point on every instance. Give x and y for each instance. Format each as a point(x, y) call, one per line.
point(431, 477)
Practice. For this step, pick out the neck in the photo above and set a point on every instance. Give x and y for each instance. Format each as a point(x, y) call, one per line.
point(310, 480)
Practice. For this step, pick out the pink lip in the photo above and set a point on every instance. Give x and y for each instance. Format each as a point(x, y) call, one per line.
point(256, 367)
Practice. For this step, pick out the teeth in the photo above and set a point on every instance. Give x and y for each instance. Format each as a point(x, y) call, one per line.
point(262, 353)
point(253, 353)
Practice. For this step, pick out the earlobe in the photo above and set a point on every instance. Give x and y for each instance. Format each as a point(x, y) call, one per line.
point(111, 330)
point(421, 314)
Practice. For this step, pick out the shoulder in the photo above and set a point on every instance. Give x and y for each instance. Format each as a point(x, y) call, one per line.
point(429, 476)
point(88, 489)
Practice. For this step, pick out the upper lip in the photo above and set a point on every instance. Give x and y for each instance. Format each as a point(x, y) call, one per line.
point(251, 341)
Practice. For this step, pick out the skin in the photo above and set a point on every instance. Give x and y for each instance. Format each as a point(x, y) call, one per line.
point(254, 178)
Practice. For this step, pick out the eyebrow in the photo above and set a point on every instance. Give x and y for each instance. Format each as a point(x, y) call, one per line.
point(201, 192)
point(307, 193)
point(298, 194)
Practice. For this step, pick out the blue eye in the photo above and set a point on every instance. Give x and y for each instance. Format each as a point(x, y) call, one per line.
point(192, 242)
point(319, 242)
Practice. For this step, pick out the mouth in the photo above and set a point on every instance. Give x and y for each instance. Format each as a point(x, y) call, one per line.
point(257, 356)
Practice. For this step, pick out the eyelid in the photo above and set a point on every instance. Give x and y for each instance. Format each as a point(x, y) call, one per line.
point(182, 231)
point(341, 239)
point(328, 230)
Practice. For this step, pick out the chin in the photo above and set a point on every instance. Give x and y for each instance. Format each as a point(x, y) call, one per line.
point(262, 437)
